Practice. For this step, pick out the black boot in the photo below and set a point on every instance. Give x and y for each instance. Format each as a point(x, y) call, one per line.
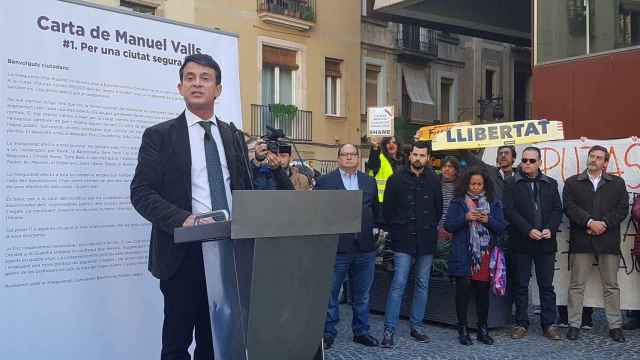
point(483, 335)
point(463, 335)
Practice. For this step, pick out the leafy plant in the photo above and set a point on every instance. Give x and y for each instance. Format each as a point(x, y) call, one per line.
point(283, 111)
point(307, 13)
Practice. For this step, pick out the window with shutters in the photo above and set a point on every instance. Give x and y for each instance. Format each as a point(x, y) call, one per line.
point(333, 77)
point(372, 77)
point(278, 75)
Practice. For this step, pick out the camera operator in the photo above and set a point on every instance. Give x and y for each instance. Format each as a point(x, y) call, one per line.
point(268, 173)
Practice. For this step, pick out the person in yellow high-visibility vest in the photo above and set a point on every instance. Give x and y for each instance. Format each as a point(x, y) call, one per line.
point(384, 160)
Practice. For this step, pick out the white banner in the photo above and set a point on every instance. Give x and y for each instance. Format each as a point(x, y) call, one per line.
point(79, 83)
point(562, 159)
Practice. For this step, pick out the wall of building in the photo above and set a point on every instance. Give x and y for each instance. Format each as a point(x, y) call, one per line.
point(596, 97)
point(336, 34)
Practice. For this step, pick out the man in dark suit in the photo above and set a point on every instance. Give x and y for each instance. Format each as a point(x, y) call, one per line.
point(356, 252)
point(533, 207)
point(187, 165)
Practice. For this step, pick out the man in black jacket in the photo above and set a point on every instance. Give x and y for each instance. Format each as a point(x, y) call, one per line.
point(412, 208)
point(534, 210)
point(595, 203)
point(187, 165)
point(356, 252)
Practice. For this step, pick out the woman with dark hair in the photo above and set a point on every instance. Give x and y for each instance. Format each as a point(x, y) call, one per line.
point(475, 218)
point(385, 159)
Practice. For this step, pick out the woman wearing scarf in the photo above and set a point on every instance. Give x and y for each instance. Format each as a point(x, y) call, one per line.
point(475, 219)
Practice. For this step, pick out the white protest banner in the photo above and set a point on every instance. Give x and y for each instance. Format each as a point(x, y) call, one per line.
point(80, 83)
point(380, 121)
point(562, 159)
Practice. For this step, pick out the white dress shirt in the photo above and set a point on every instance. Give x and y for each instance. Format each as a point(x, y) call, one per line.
point(595, 180)
point(350, 181)
point(200, 191)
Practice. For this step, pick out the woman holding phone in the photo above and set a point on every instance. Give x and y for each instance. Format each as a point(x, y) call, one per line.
point(475, 218)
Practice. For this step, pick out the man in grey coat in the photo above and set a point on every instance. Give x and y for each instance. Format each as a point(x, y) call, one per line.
point(595, 203)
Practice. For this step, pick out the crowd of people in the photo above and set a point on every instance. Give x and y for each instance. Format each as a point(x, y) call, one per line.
point(483, 211)
point(190, 165)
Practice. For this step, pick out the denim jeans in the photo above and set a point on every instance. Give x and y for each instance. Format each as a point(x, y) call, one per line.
point(402, 264)
point(360, 268)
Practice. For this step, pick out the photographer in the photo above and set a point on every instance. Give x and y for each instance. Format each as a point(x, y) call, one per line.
point(268, 173)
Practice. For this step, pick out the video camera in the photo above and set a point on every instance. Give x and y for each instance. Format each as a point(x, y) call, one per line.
point(272, 139)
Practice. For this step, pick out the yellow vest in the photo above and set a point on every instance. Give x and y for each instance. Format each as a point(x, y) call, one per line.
point(381, 177)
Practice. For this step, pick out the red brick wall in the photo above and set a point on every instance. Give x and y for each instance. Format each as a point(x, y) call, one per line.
point(597, 97)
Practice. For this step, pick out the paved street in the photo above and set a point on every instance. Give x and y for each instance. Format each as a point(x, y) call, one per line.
point(593, 344)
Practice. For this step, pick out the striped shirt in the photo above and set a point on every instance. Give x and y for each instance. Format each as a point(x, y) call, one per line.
point(448, 192)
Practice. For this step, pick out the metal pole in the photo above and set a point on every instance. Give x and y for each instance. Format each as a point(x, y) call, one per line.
point(588, 30)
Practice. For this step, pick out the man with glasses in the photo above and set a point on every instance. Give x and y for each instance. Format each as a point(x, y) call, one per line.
point(534, 210)
point(356, 252)
point(595, 203)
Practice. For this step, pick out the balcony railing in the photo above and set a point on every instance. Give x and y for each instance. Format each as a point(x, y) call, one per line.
point(295, 14)
point(325, 166)
point(296, 126)
point(417, 39)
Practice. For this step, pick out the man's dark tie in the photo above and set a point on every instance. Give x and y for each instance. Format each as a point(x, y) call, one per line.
point(214, 169)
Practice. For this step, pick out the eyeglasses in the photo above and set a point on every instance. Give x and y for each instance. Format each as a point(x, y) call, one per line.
point(530, 161)
point(351, 154)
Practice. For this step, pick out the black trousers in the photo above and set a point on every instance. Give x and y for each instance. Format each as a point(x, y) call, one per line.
point(465, 290)
point(545, 269)
point(186, 307)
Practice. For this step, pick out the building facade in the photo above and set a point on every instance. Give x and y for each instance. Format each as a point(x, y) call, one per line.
point(436, 77)
point(299, 63)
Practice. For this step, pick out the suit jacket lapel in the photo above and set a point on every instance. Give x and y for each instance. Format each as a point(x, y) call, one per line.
point(339, 181)
point(228, 144)
point(182, 149)
point(362, 180)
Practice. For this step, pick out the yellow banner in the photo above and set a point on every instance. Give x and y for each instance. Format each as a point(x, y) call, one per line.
point(426, 133)
point(490, 135)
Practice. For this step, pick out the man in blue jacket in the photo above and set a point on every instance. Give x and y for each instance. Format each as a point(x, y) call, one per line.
point(356, 252)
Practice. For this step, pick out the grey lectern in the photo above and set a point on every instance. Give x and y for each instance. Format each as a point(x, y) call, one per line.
point(269, 270)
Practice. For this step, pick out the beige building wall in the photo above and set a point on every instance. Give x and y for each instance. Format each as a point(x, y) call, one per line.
point(335, 34)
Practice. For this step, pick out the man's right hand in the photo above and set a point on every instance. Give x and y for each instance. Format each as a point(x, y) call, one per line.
point(598, 227)
point(261, 151)
point(189, 221)
point(535, 234)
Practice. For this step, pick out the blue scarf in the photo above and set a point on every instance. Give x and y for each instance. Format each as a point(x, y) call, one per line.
point(479, 237)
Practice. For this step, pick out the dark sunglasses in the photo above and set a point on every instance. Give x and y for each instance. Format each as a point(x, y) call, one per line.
point(530, 161)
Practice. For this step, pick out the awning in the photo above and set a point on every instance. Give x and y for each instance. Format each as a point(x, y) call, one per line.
point(417, 85)
point(422, 107)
